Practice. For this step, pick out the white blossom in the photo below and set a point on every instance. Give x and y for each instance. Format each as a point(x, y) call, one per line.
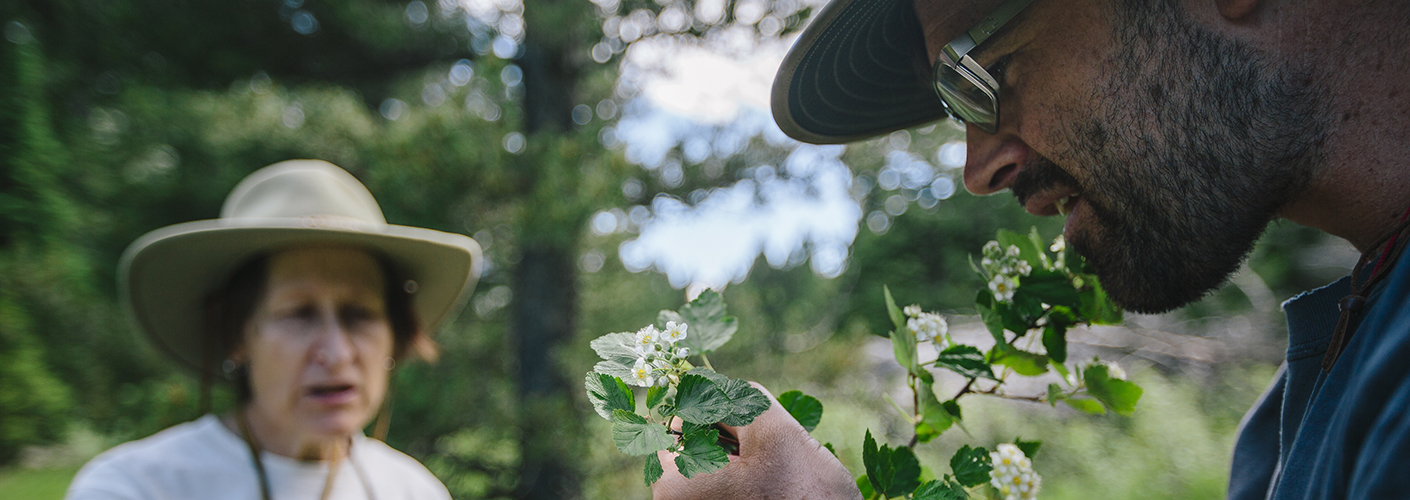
point(1059, 244)
point(991, 248)
point(928, 326)
point(1003, 288)
point(642, 374)
point(1013, 474)
point(1023, 268)
point(1114, 370)
point(682, 352)
point(1013, 251)
point(646, 339)
point(912, 310)
point(675, 332)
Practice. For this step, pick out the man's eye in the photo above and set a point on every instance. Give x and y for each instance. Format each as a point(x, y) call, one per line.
point(997, 69)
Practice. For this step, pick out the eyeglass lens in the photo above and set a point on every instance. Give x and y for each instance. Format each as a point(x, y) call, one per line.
point(966, 98)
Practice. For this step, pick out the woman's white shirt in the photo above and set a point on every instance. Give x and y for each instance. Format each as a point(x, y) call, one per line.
point(204, 459)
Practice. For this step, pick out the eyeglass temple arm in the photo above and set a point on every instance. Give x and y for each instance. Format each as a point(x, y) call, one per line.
point(986, 28)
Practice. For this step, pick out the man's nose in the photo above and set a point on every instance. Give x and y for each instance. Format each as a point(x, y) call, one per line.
point(992, 161)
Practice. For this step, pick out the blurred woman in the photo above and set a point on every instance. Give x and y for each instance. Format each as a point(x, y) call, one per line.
point(304, 299)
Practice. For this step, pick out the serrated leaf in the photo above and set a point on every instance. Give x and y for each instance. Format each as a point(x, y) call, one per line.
point(700, 453)
point(1055, 342)
point(667, 316)
point(1055, 394)
point(635, 436)
point(710, 326)
point(1084, 405)
point(653, 470)
point(608, 393)
point(617, 353)
point(1052, 288)
point(971, 466)
point(940, 490)
point(746, 403)
point(807, 410)
point(965, 360)
point(897, 317)
point(991, 318)
point(830, 449)
point(710, 397)
point(1022, 362)
point(1119, 395)
point(1029, 448)
point(1096, 307)
point(892, 471)
point(655, 395)
point(698, 400)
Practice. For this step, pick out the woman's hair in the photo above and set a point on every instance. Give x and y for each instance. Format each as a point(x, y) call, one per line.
point(230, 307)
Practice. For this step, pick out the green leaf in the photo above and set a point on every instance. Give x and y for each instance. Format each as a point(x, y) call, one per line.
point(1029, 448)
point(989, 316)
point(710, 397)
point(1096, 307)
point(935, 418)
point(1012, 319)
point(940, 490)
point(1022, 362)
point(698, 400)
point(1055, 341)
point(1053, 288)
point(864, 484)
point(609, 393)
point(807, 410)
point(655, 395)
point(635, 436)
point(700, 453)
point(897, 317)
point(710, 326)
point(653, 469)
point(617, 352)
point(1119, 395)
point(1055, 394)
point(903, 346)
point(830, 448)
point(892, 472)
point(1084, 405)
point(971, 466)
point(965, 360)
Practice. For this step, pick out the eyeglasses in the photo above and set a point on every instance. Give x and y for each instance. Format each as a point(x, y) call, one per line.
point(969, 92)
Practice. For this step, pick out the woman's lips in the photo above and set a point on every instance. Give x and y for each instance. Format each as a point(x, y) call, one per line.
point(332, 395)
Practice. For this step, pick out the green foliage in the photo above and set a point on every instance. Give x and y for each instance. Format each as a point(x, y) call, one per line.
point(635, 436)
point(971, 466)
point(940, 490)
point(700, 453)
point(710, 326)
point(892, 471)
point(617, 354)
point(807, 410)
point(608, 394)
point(1119, 395)
point(653, 470)
point(965, 360)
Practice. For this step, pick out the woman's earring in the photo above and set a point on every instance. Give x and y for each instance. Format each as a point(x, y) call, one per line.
point(391, 363)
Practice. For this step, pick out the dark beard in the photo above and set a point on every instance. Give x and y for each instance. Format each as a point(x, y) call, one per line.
point(1192, 147)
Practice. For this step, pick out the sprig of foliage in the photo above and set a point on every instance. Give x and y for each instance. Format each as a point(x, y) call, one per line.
point(1035, 294)
point(656, 358)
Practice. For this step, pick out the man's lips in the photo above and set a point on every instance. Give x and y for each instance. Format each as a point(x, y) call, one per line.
point(1052, 201)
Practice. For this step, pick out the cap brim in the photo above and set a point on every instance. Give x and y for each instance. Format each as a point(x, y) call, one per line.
point(858, 71)
point(166, 275)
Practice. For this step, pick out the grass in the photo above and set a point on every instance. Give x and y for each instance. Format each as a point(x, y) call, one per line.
point(36, 484)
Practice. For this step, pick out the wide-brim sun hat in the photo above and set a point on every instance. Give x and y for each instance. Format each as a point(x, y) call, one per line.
point(861, 69)
point(166, 275)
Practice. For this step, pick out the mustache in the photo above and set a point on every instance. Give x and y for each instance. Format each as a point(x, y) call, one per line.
point(1038, 176)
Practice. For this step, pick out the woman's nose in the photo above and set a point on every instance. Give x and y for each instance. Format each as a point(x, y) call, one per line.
point(333, 346)
point(992, 161)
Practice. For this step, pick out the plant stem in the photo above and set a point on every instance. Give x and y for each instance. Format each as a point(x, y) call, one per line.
point(705, 359)
point(966, 389)
point(898, 409)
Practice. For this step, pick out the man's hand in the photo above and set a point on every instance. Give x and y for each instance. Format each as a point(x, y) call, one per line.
point(777, 460)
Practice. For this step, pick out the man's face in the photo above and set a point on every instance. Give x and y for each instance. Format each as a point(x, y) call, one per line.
point(1170, 146)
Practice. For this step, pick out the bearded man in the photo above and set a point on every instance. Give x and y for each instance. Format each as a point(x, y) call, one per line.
point(1170, 133)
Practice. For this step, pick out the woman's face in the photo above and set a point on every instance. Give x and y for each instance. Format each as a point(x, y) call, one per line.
point(318, 343)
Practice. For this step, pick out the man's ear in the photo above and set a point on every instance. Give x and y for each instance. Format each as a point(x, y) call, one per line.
point(1235, 10)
